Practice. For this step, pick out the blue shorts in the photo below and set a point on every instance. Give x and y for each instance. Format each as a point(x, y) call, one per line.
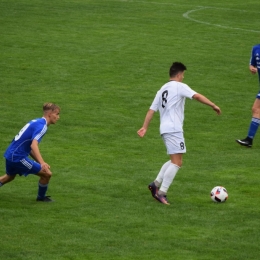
point(258, 95)
point(24, 167)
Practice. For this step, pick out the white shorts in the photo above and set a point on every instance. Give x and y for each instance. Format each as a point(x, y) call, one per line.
point(174, 143)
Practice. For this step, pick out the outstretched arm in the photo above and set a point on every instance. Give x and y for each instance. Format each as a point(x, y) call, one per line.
point(202, 99)
point(141, 132)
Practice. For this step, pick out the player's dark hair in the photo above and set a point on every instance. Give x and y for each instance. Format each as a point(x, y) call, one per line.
point(50, 106)
point(176, 68)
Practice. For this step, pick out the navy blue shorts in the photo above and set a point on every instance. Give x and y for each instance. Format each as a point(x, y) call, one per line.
point(258, 95)
point(24, 167)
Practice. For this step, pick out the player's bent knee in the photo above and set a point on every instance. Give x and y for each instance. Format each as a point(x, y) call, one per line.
point(256, 112)
point(254, 109)
point(48, 175)
point(45, 174)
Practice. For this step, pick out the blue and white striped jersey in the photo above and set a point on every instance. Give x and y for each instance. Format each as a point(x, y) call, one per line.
point(20, 147)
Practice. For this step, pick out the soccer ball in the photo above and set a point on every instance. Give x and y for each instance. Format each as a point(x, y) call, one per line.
point(219, 194)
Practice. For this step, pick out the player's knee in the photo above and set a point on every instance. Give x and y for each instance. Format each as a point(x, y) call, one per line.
point(256, 112)
point(45, 174)
point(179, 163)
point(46, 178)
point(48, 175)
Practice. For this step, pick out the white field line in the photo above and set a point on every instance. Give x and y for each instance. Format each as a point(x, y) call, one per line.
point(186, 15)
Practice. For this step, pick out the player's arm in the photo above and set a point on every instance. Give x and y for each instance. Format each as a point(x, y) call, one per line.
point(202, 99)
point(252, 63)
point(32, 155)
point(141, 132)
point(253, 69)
point(36, 155)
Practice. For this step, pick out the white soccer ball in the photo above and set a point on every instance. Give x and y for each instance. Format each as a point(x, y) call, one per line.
point(219, 194)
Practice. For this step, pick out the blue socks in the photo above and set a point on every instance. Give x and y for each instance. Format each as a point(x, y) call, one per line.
point(42, 190)
point(253, 127)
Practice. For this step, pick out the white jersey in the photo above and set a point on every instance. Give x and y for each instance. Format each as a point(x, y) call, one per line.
point(170, 101)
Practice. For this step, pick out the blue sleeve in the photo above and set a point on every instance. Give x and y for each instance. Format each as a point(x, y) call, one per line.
point(253, 58)
point(39, 132)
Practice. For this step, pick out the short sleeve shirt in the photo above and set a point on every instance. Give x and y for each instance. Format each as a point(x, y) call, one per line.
point(170, 101)
point(20, 147)
point(255, 58)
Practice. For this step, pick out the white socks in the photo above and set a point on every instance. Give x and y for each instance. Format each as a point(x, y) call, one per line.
point(166, 176)
point(160, 175)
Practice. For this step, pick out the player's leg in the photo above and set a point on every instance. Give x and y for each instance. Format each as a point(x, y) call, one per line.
point(170, 173)
point(253, 127)
point(255, 119)
point(256, 107)
point(175, 145)
point(27, 166)
point(155, 185)
point(6, 178)
point(168, 178)
point(161, 173)
point(10, 173)
point(45, 176)
point(175, 159)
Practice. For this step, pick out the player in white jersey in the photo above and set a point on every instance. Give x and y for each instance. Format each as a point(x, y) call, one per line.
point(170, 101)
point(26, 143)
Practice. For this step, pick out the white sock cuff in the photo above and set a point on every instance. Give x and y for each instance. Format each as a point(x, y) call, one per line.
point(176, 165)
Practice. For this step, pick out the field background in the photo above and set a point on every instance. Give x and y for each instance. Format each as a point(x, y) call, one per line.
point(102, 61)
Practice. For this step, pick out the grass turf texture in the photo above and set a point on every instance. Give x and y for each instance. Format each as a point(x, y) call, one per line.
point(102, 62)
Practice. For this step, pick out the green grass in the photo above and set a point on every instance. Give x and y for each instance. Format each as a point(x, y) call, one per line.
point(102, 61)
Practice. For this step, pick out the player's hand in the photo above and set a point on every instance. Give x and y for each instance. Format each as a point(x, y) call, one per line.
point(217, 109)
point(141, 132)
point(45, 167)
point(253, 69)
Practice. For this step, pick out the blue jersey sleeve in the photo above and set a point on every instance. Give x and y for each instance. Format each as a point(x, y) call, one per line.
point(253, 58)
point(38, 131)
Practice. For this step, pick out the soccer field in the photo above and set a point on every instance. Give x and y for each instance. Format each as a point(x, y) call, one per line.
point(102, 62)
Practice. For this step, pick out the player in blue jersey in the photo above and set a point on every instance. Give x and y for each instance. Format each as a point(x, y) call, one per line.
point(254, 67)
point(26, 143)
